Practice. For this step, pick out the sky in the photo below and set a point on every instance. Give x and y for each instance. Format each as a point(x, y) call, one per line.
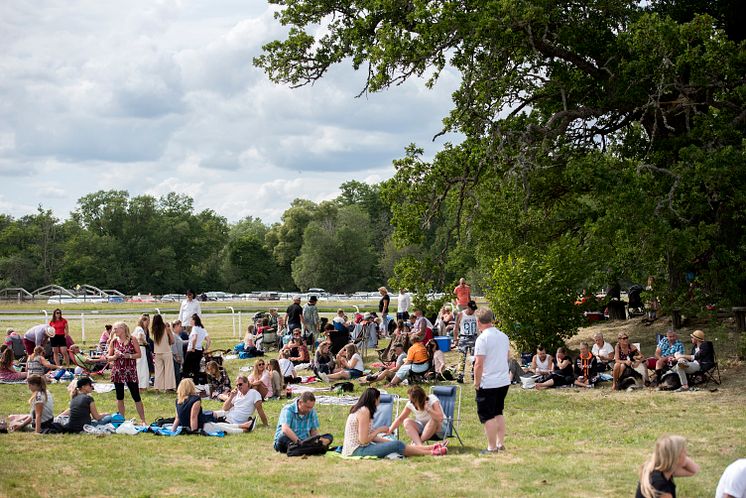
point(159, 96)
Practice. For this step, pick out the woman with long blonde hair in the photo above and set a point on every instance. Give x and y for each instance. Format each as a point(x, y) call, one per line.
point(188, 407)
point(669, 460)
point(123, 354)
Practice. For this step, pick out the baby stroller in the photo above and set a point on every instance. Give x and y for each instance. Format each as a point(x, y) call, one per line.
point(635, 306)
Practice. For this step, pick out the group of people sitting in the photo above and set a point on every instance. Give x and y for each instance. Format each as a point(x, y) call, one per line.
point(627, 366)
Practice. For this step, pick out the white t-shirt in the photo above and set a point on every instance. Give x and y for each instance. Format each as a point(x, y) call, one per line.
point(243, 407)
point(403, 302)
point(187, 309)
point(286, 367)
point(733, 480)
point(423, 416)
point(197, 337)
point(401, 359)
point(606, 350)
point(356, 362)
point(494, 345)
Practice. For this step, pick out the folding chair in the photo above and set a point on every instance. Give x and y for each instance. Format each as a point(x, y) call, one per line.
point(86, 367)
point(712, 374)
point(385, 414)
point(450, 401)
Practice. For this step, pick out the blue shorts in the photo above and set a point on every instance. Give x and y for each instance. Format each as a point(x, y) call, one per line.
point(354, 373)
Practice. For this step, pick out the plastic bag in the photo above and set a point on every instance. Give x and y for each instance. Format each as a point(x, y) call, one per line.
point(127, 428)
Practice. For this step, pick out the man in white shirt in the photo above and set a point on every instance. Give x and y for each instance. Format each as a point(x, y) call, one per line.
point(402, 305)
point(733, 481)
point(603, 351)
point(189, 306)
point(491, 378)
point(240, 406)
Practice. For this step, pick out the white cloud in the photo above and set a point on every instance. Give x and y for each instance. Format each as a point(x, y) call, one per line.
point(158, 96)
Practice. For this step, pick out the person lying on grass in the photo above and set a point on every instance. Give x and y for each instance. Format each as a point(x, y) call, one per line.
point(361, 439)
point(429, 419)
point(42, 407)
point(189, 413)
point(349, 365)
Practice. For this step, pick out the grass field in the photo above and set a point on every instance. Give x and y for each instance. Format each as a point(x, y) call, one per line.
point(562, 442)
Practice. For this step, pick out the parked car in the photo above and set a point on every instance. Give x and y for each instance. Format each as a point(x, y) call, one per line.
point(172, 298)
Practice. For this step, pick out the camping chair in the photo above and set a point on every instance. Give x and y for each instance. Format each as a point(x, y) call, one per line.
point(385, 414)
point(87, 367)
point(712, 374)
point(269, 341)
point(450, 401)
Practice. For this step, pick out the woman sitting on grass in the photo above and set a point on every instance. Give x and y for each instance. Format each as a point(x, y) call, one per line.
point(323, 361)
point(278, 386)
point(83, 409)
point(220, 383)
point(350, 365)
point(562, 375)
point(261, 380)
point(42, 407)
point(37, 364)
point(298, 350)
point(429, 419)
point(188, 407)
point(669, 460)
point(362, 440)
point(7, 372)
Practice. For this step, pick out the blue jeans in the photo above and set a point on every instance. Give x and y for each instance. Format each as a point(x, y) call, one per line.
point(104, 420)
point(380, 450)
point(403, 371)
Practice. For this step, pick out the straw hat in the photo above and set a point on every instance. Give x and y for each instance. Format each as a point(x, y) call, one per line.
point(50, 332)
point(698, 334)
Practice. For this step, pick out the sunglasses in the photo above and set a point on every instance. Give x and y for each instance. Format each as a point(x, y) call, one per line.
point(239, 383)
point(624, 337)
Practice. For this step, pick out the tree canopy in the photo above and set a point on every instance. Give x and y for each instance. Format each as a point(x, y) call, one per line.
point(618, 124)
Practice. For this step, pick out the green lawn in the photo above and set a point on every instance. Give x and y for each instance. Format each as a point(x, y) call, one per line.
point(562, 442)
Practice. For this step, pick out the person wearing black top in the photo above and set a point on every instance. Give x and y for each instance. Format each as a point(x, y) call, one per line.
point(83, 409)
point(383, 309)
point(669, 460)
point(586, 367)
point(563, 372)
point(188, 407)
point(294, 315)
point(339, 337)
point(701, 359)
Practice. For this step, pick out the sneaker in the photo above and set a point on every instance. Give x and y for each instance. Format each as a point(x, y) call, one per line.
point(252, 424)
point(500, 447)
point(489, 452)
point(439, 450)
point(682, 389)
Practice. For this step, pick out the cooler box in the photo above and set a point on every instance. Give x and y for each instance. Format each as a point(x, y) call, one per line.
point(443, 342)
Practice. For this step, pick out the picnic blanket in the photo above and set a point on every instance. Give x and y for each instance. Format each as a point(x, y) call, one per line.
point(335, 454)
point(103, 387)
point(336, 400)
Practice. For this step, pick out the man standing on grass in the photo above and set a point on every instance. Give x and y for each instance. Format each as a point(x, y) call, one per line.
point(463, 294)
point(491, 379)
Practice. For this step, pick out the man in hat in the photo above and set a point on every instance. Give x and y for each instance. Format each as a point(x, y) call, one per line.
point(701, 359)
point(294, 315)
point(311, 321)
point(464, 337)
point(37, 336)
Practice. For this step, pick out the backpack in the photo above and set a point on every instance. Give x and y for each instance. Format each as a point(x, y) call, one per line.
point(309, 446)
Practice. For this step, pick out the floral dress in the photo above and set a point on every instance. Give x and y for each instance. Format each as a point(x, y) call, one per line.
point(124, 370)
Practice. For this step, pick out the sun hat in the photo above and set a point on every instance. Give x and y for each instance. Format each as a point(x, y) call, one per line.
point(50, 332)
point(698, 334)
point(296, 298)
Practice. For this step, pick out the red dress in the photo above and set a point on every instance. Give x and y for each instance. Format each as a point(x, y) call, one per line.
point(124, 370)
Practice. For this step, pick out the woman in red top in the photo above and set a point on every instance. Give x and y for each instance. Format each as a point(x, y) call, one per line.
point(59, 341)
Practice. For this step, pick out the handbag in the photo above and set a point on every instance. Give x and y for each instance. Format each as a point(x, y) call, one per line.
point(309, 446)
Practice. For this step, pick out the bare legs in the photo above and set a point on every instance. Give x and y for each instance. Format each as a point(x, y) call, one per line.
point(494, 429)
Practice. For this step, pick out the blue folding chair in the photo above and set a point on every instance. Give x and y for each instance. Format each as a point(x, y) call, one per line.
point(384, 415)
point(450, 401)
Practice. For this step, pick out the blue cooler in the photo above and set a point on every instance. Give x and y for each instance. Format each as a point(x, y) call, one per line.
point(443, 342)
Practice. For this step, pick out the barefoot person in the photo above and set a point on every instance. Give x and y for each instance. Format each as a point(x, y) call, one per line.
point(491, 378)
